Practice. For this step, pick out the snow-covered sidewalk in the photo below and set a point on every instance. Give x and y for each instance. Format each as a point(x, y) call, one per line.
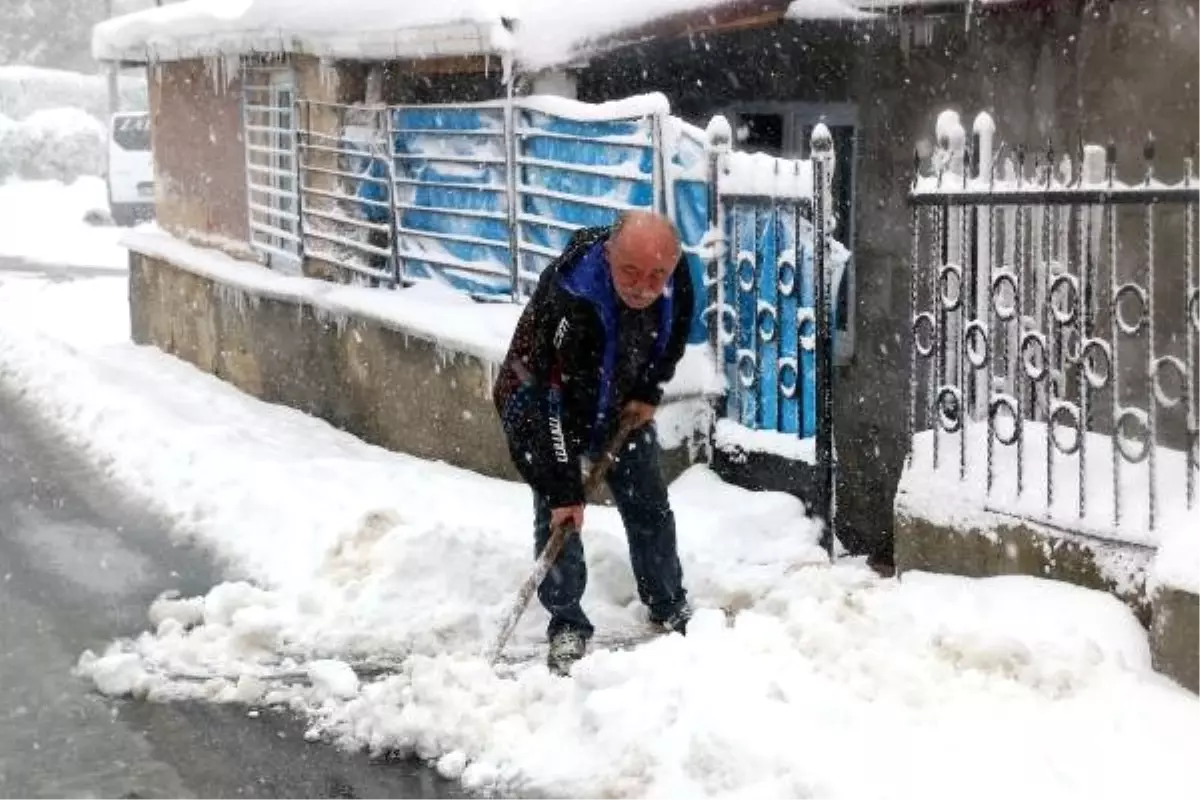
point(831, 682)
point(42, 222)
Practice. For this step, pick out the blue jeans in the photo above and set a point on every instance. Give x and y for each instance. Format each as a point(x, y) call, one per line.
point(637, 485)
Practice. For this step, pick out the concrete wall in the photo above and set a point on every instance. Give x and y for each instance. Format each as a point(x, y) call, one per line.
point(387, 386)
point(199, 158)
point(1114, 71)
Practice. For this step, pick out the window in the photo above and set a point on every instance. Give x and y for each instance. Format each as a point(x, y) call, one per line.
point(131, 132)
point(785, 130)
point(271, 191)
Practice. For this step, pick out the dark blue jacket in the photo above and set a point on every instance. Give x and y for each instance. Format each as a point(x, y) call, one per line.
point(555, 389)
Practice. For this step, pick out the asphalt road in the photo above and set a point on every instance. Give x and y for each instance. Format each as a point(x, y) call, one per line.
point(79, 565)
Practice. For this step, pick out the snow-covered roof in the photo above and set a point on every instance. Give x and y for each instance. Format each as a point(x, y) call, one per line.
point(534, 33)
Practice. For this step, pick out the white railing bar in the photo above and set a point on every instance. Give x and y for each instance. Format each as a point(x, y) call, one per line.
point(449, 159)
point(346, 197)
point(276, 212)
point(598, 202)
point(338, 240)
point(617, 173)
point(258, 244)
point(456, 212)
point(273, 231)
point(482, 187)
point(617, 140)
point(351, 221)
point(258, 187)
point(454, 237)
point(370, 272)
point(343, 174)
point(269, 170)
point(466, 266)
point(535, 219)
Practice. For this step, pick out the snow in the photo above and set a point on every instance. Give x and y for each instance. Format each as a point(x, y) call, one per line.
point(58, 143)
point(43, 222)
point(732, 436)
point(971, 506)
point(349, 29)
point(25, 90)
point(843, 10)
point(764, 175)
point(343, 550)
point(1174, 541)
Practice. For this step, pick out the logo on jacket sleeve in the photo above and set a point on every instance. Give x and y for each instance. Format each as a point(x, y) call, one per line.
point(561, 332)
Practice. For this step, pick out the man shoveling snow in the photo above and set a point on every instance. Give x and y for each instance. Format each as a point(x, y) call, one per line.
point(602, 334)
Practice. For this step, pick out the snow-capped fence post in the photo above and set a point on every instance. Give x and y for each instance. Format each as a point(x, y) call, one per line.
point(512, 199)
point(389, 145)
point(822, 165)
point(719, 137)
point(659, 169)
point(1061, 333)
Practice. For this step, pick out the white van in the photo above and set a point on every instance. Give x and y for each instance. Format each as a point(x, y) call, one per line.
point(130, 168)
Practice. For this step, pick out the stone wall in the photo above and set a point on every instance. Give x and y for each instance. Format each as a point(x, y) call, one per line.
point(388, 386)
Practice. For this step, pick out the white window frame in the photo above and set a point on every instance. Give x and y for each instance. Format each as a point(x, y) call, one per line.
point(272, 191)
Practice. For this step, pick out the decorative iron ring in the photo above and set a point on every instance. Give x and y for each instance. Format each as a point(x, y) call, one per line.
point(1071, 301)
point(1035, 372)
point(1010, 407)
point(1091, 348)
point(1160, 392)
point(806, 316)
point(950, 301)
point(923, 320)
point(1059, 409)
point(976, 344)
point(1002, 279)
point(1138, 416)
point(1132, 329)
point(949, 408)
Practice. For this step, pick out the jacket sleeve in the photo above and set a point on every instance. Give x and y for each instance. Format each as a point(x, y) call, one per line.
point(554, 458)
point(649, 389)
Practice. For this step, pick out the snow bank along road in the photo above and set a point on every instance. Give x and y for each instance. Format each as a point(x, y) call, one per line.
point(78, 565)
point(941, 686)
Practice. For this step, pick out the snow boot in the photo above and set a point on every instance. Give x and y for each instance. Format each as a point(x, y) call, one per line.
point(676, 621)
point(566, 647)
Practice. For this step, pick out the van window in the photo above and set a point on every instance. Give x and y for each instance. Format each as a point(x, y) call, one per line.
point(132, 133)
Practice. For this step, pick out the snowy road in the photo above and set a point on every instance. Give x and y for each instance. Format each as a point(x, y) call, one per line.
point(78, 566)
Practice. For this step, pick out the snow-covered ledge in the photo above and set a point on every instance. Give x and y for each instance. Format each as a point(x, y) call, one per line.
point(410, 370)
point(947, 521)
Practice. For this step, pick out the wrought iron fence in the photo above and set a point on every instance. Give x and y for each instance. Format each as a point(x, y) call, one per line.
point(1055, 317)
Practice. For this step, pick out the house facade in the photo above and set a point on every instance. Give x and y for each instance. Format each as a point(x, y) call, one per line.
point(1052, 74)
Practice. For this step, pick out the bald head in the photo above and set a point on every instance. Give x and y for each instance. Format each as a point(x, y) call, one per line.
point(642, 253)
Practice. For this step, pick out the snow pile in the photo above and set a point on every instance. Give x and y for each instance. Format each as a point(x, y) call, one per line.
point(735, 438)
point(1177, 562)
point(57, 144)
point(45, 222)
point(349, 550)
point(25, 90)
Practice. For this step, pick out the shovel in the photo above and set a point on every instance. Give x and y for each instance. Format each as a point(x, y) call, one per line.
point(554, 546)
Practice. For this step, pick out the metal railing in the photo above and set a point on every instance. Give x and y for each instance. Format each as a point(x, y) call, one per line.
point(453, 191)
point(268, 130)
point(1054, 359)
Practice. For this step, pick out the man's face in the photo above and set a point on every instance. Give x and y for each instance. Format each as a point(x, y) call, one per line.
point(641, 266)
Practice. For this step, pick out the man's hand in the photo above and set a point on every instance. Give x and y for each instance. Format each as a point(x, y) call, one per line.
point(567, 515)
point(637, 414)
